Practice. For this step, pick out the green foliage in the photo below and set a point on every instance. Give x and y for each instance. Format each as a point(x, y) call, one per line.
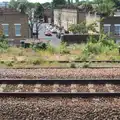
point(106, 7)
point(78, 28)
point(63, 48)
point(82, 28)
point(38, 11)
point(72, 65)
point(3, 44)
point(95, 47)
point(58, 2)
point(10, 63)
point(51, 49)
point(37, 62)
point(39, 46)
point(86, 65)
point(13, 4)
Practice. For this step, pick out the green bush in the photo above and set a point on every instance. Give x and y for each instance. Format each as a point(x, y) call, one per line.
point(63, 48)
point(10, 64)
point(86, 65)
point(51, 49)
point(96, 47)
point(72, 65)
point(2, 62)
point(37, 62)
point(3, 44)
point(39, 46)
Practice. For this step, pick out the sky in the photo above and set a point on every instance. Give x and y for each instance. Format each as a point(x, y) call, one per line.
point(41, 1)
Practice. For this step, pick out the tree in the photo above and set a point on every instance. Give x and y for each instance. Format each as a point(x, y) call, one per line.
point(86, 6)
point(38, 11)
point(77, 1)
point(69, 2)
point(117, 3)
point(13, 4)
point(82, 28)
point(78, 28)
point(58, 2)
point(33, 10)
point(105, 7)
point(22, 6)
point(46, 5)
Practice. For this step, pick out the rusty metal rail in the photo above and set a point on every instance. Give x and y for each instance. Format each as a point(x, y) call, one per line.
point(65, 94)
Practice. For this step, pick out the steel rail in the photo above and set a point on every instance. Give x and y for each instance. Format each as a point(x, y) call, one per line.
point(66, 94)
point(94, 61)
point(82, 81)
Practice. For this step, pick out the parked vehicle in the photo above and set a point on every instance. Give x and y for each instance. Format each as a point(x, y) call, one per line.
point(48, 33)
point(49, 27)
point(54, 30)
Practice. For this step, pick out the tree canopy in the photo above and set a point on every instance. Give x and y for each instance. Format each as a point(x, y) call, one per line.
point(58, 2)
point(82, 28)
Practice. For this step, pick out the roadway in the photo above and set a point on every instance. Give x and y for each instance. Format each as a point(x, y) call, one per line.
point(53, 39)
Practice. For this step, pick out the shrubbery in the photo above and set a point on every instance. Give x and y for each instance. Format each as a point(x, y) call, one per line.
point(3, 43)
point(39, 46)
point(62, 49)
point(94, 47)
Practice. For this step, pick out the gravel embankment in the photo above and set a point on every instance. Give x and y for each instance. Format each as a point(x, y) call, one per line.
point(59, 73)
point(59, 109)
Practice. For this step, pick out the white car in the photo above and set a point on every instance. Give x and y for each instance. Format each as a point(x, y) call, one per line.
point(48, 27)
point(54, 30)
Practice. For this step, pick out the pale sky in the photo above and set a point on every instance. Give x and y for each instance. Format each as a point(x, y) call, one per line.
point(41, 1)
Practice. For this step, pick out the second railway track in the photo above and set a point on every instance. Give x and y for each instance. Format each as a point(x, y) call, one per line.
point(82, 88)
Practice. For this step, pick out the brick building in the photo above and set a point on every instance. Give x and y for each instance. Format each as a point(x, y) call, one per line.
point(15, 24)
point(47, 15)
point(110, 25)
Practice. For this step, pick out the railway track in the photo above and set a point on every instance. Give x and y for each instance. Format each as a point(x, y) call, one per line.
point(92, 61)
point(82, 88)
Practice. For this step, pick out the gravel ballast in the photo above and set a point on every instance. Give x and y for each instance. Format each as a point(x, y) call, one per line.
point(59, 73)
point(59, 109)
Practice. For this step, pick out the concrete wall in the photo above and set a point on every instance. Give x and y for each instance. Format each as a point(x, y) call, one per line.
point(81, 17)
point(93, 18)
point(57, 12)
point(12, 19)
point(68, 17)
point(72, 39)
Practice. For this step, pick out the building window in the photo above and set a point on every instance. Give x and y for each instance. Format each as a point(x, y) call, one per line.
point(107, 28)
point(117, 29)
point(5, 29)
point(17, 29)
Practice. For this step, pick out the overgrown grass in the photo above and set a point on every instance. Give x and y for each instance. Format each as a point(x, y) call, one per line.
point(102, 49)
